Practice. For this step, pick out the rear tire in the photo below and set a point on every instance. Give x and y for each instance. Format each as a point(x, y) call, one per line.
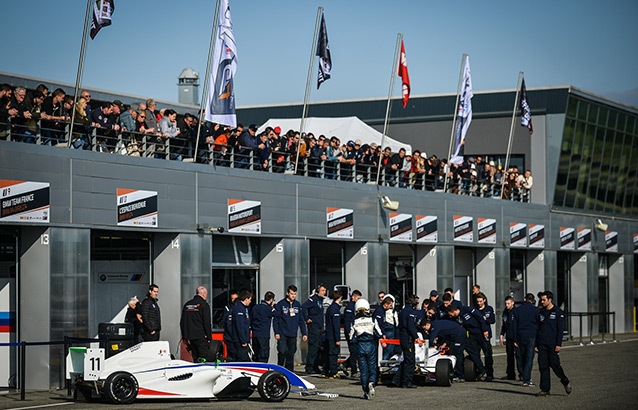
point(121, 388)
point(273, 386)
point(443, 372)
point(215, 351)
point(470, 369)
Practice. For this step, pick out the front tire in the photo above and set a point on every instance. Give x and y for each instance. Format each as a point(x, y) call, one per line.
point(273, 386)
point(121, 388)
point(443, 372)
point(470, 369)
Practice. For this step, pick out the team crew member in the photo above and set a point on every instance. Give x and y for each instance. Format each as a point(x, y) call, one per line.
point(407, 336)
point(227, 325)
point(507, 332)
point(364, 334)
point(195, 325)
point(349, 315)
point(134, 315)
point(490, 318)
point(476, 289)
point(241, 326)
point(525, 330)
point(388, 329)
point(151, 317)
point(446, 301)
point(333, 336)
point(448, 333)
point(434, 302)
point(261, 323)
point(312, 311)
point(455, 302)
point(550, 339)
point(472, 321)
point(286, 325)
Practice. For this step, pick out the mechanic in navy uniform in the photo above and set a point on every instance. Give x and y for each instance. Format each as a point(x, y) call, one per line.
point(525, 330)
point(446, 301)
point(407, 336)
point(227, 325)
point(241, 326)
point(333, 336)
point(312, 311)
point(549, 341)
point(455, 302)
point(286, 325)
point(507, 333)
point(151, 316)
point(476, 289)
point(474, 323)
point(349, 314)
point(195, 325)
point(261, 323)
point(447, 333)
point(490, 318)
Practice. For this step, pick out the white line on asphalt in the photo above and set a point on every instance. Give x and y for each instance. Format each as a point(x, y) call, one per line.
point(39, 407)
point(597, 344)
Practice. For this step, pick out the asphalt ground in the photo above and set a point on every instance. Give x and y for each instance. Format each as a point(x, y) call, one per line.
point(602, 376)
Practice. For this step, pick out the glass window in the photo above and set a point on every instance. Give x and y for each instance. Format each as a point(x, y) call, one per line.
point(326, 264)
point(594, 177)
point(593, 113)
point(602, 116)
point(583, 108)
point(585, 167)
point(632, 176)
point(623, 173)
point(574, 165)
point(622, 121)
point(572, 107)
point(611, 119)
point(604, 170)
point(613, 172)
point(563, 163)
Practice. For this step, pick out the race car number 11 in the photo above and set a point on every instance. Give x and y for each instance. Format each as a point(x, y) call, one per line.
point(93, 362)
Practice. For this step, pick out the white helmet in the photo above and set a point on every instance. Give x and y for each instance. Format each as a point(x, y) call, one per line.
point(361, 304)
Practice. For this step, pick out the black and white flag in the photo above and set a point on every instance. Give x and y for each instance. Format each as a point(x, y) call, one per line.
point(102, 11)
point(323, 52)
point(526, 112)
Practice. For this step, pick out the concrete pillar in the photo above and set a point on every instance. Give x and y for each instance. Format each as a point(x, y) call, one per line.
point(445, 266)
point(502, 286)
point(628, 262)
point(356, 256)
point(617, 292)
point(486, 273)
point(551, 271)
point(535, 281)
point(378, 261)
point(166, 275)
point(578, 292)
point(426, 270)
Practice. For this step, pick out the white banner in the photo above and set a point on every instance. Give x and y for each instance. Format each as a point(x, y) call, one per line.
point(567, 240)
point(340, 223)
point(137, 208)
point(611, 241)
point(486, 230)
point(537, 236)
point(463, 228)
point(25, 201)
point(400, 227)
point(426, 229)
point(584, 240)
point(518, 235)
point(244, 216)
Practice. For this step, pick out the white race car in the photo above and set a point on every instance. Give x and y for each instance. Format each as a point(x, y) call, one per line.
point(431, 364)
point(147, 371)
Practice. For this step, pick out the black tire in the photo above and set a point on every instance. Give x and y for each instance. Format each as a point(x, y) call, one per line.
point(121, 388)
point(215, 351)
point(470, 369)
point(273, 386)
point(443, 372)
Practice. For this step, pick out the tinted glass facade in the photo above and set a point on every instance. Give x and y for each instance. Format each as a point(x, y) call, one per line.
point(598, 166)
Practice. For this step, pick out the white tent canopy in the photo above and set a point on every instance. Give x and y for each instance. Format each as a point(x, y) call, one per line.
point(344, 128)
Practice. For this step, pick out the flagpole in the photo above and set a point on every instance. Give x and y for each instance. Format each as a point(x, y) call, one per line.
point(80, 68)
point(509, 144)
point(305, 99)
point(387, 107)
point(456, 111)
point(206, 79)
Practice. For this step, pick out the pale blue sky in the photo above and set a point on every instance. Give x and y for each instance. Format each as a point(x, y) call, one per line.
point(588, 44)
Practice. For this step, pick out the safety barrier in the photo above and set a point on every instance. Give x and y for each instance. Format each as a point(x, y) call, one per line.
point(590, 324)
point(67, 342)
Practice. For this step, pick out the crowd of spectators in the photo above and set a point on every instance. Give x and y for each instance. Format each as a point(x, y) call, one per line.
point(140, 129)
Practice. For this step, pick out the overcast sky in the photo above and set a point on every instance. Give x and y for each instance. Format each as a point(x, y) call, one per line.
point(587, 44)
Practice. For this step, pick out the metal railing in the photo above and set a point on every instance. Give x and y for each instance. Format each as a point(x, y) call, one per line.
point(590, 325)
point(130, 143)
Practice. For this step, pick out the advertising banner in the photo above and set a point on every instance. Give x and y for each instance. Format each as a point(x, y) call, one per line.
point(463, 228)
point(486, 230)
point(400, 227)
point(25, 201)
point(426, 229)
point(340, 223)
point(611, 241)
point(136, 208)
point(584, 239)
point(537, 236)
point(567, 238)
point(244, 216)
point(518, 235)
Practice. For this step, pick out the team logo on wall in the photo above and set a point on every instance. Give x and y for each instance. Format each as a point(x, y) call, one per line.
point(244, 216)
point(463, 228)
point(340, 223)
point(24, 201)
point(611, 241)
point(537, 236)
point(518, 235)
point(486, 230)
point(636, 243)
point(426, 229)
point(400, 227)
point(584, 239)
point(567, 238)
point(136, 208)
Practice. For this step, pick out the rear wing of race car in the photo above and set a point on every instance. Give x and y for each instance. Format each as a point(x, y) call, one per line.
point(86, 362)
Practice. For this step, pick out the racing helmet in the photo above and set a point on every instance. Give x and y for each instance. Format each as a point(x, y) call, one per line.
point(361, 304)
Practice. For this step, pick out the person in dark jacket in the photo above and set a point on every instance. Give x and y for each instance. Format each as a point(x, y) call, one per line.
point(474, 323)
point(227, 325)
point(387, 329)
point(507, 332)
point(241, 326)
point(348, 320)
point(312, 312)
point(134, 315)
point(263, 314)
point(333, 335)
point(549, 342)
point(490, 318)
point(195, 325)
point(525, 330)
point(286, 326)
point(448, 333)
point(151, 317)
point(407, 335)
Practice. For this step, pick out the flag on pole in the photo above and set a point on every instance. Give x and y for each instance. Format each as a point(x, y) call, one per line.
point(102, 11)
point(464, 117)
point(220, 100)
point(323, 52)
point(526, 112)
point(403, 73)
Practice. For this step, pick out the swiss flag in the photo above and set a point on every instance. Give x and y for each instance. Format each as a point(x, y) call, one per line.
point(403, 73)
